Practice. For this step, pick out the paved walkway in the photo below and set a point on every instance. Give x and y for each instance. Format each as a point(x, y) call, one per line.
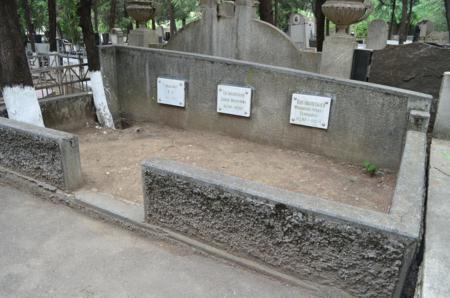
point(49, 250)
point(436, 263)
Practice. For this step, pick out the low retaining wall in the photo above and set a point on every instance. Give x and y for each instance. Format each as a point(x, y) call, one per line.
point(44, 154)
point(367, 121)
point(66, 112)
point(362, 252)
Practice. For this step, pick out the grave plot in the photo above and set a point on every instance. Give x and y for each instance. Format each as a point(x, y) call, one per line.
point(111, 163)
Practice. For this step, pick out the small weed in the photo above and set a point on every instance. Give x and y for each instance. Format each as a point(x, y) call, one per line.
point(370, 168)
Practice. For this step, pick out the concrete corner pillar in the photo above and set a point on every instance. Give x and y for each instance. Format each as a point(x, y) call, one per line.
point(337, 56)
point(442, 125)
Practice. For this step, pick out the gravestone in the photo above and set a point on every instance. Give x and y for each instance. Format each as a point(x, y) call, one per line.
point(297, 30)
point(116, 36)
point(301, 30)
point(377, 35)
point(425, 27)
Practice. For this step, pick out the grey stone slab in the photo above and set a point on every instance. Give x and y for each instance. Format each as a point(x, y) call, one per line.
point(436, 262)
point(45, 154)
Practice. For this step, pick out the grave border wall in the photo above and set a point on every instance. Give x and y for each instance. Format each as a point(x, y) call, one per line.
point(367, 121)
point(271, 225)
point(45, 154)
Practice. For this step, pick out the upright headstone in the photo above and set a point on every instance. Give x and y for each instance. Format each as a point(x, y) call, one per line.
point(297, 30)
point(116, 36)
point(442, 126)
point(425, 27)
point(377, 35)
point(301, 30)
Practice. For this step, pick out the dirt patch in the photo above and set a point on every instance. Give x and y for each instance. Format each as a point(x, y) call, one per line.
point(111, 163)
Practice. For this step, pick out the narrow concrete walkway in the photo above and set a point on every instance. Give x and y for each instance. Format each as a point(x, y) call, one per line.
point(49, 250)
point(436, 263)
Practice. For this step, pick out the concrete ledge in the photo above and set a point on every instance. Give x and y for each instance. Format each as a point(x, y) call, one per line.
point(362, 252)
point(66, 112)
point(48, 155)
point(436, 262)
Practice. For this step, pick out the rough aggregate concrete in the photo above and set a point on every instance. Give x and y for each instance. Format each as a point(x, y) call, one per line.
point(44, 154)
point(360, 260)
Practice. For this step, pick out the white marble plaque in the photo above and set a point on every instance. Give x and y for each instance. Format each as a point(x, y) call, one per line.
point(234, 100)
point(171, 92)
point(310, 110)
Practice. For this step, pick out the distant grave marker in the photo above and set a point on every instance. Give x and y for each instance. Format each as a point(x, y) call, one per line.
point(310, 110)
point(234, 100)
point(171, 92)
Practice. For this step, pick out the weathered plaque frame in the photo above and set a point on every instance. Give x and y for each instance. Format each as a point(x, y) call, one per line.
point(234, 100)
point(171, 92)
point(310, 110)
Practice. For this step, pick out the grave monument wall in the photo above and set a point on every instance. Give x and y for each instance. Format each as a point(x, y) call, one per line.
point(232, 30)
point(365, 121)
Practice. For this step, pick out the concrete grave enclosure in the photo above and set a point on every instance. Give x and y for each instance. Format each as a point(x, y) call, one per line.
point(300, 235)
point(362, 252)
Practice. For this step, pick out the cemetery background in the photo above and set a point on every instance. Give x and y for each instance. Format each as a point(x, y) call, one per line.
point(128, 96)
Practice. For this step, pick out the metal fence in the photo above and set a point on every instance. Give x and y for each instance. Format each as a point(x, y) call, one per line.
point(59, 74)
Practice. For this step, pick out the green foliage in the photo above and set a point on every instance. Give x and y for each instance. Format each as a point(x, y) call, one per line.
point(432, 10)
point(370, 168)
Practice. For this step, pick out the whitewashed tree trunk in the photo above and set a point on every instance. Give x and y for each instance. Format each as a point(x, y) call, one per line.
point(101, 105)
point(22, 104)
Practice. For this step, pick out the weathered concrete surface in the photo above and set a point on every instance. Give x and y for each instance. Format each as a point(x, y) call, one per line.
point(377, 34)
point(417, 66)
point(353, 249)
point(235, 32)
point(436, 262)
point(67, 112)
point(337, 56)
point(442, 125)
point(48, 155)
point(48, 250)
point(367, 121)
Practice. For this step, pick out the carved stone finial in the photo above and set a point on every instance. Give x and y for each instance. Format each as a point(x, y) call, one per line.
point(345, 12)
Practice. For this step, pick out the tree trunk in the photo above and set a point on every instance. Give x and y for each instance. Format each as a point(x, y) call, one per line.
point(153, 23)
point(275, 13)
point(30, 25)
point(101, 104)
point(16, 83)
point(52, 24)
point(112, 15)
point(403, 30)
point(391, 25)
point(173, 24)
point(266, 11)
point(84, 12)
point(95, 9)
point(447, 15)
point(320, 24)
point(183, 22)
point(14, 68)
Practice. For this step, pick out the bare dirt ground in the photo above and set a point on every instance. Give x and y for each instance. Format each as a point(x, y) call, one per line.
point(111, 163)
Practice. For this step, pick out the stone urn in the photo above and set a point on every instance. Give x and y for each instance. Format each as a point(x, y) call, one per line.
point(346, 12)
point(141, 10)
